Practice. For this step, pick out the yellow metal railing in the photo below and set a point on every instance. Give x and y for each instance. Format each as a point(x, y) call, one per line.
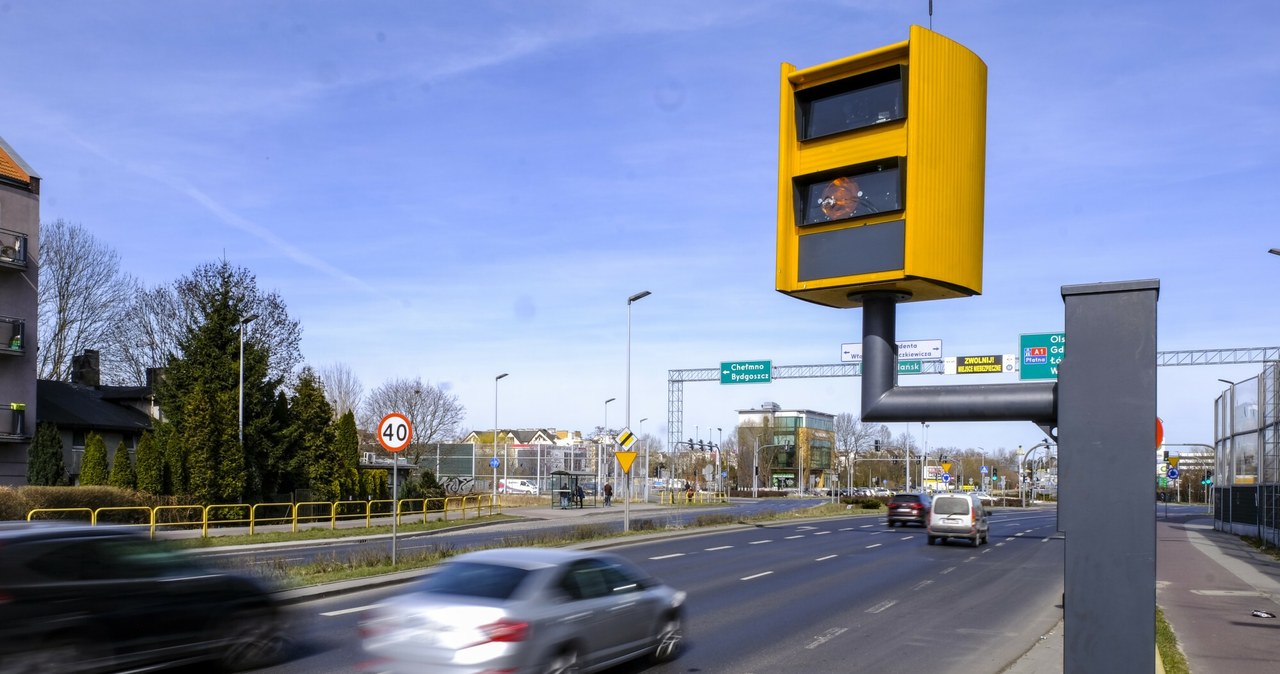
point(259, 514)
point(685, 497)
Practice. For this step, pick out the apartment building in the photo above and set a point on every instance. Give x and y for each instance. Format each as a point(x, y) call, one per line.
point(19, 249)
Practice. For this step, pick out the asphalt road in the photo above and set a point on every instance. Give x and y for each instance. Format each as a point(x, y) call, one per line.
point(513, 533)
point(841, 594)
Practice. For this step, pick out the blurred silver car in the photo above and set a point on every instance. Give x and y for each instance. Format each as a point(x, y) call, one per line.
point(540, 610)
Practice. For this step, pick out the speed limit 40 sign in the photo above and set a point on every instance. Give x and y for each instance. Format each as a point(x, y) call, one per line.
point(395, 432)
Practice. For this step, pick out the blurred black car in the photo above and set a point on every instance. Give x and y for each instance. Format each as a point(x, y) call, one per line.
point(75, 598)
point(909, 509)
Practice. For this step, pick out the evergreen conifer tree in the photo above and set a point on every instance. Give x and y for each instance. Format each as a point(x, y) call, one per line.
point(45, 466)
point(93, 467)
point(150, 465)
point(122, 471)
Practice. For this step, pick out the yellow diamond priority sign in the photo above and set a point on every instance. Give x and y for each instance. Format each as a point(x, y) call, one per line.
point(626, 438)
point(625, 460)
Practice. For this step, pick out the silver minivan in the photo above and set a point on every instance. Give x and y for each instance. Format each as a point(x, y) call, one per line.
point(957, 516)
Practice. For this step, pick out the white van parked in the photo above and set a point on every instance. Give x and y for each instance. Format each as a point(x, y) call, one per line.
point(517, 487)
point(957, 516)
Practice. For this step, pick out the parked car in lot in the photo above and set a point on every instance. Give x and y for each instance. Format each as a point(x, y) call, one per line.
point(958, 516)
point(527, 610)
point(75, 598)
point(909, 509)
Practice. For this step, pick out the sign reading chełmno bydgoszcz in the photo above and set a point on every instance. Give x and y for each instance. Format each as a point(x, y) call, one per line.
point(746, 372)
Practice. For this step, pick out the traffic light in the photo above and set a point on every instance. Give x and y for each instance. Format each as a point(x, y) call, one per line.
point(877, 445)
point(881, 168)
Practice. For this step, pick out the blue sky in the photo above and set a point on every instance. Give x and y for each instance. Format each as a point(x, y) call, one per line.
point(453, 190)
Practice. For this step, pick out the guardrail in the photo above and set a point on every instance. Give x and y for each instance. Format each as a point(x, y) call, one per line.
point(678, 496)
point(262, 514)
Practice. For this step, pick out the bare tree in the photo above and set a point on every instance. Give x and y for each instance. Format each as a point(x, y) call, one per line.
point(149, 332)
point(159, 318)
point(752, 435)
point(854, 437)
point(82, 296)
point(435, 414)
point(342, 388)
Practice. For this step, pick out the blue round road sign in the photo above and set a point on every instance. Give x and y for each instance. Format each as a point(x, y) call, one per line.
point(1172, 474)
point(493, 463)
point(946, 477)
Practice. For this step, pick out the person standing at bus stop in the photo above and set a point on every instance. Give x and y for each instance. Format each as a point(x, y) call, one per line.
point(608, 494)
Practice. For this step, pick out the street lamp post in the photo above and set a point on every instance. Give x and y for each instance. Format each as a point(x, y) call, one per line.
point(626, 502)
point(600, 472)
point(646, 459)
point(243, 322)
point(719, 454)
point(495, 437)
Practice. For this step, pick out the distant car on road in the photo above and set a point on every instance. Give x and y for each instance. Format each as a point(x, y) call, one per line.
point(527, 610)
point(958, 516)
point(909, 509)
point(75, 598)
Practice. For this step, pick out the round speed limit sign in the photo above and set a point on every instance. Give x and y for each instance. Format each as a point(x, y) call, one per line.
point(395, 432)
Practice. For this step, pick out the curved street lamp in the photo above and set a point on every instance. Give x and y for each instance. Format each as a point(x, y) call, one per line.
point(495, 437)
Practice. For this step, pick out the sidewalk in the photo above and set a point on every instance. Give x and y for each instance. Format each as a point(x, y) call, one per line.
point(1208, 583)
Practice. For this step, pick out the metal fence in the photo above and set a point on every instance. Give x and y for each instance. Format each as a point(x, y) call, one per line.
point(1246, 495)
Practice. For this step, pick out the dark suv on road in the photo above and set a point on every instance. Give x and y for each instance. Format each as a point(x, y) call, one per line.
point(909, 508)
point(76, 598)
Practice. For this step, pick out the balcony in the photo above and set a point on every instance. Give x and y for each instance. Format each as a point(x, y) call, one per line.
point(13, 340)
point(16, 429)
point(13, 249)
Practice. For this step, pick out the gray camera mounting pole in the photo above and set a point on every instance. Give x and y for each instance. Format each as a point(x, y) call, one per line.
point(884, 401)
point(1104, 408)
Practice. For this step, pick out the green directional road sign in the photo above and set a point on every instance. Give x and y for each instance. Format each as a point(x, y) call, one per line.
point(910, 366)
point(746, 372)
point(904, 367)
point(1041, 353)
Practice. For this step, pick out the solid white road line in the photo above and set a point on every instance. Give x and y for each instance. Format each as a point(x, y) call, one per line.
point(357, 609)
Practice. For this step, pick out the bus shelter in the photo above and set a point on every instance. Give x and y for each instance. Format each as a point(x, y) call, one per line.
point(564, 485)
